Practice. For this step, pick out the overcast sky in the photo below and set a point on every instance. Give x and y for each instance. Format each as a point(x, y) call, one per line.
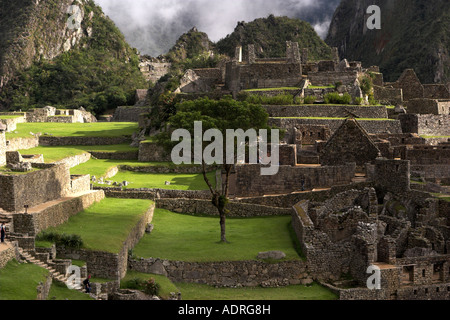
point(153, 26)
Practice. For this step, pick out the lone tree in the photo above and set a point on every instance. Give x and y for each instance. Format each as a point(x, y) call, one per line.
point(222, 115)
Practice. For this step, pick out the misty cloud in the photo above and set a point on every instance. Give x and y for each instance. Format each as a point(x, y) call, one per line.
point(153, 26)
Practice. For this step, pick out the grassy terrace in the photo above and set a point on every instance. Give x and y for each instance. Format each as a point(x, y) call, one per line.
point(192, 292)
point(9, 117)
point(98, 129)
point(19, 281)
point(105, 225)
point(178, 181)
point(196, 239)
point(53, 154)
point(297, 292)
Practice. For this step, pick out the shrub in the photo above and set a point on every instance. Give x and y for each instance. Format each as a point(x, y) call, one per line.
point(151, 287)
point(359, 101)
point(336, 98)
point(67, 240)
point(310, 99)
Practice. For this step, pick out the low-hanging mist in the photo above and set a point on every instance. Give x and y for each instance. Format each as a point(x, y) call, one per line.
point(154, 26)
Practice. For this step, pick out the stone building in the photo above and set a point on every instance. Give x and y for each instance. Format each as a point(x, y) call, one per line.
point(264, 73)
point(350, 143)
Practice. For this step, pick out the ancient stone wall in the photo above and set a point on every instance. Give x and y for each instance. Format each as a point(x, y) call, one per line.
point(428, 106)
point(152, 152)
point(372, 127)
point(11, 124)
point(389, 96)
point(410, 84)
point(128, 155)
point(153, 194)
point(61, 119)
point(392, 175)
point(46, 184)
point(350, 143)
point(326, 78)
point(436, 91)
point(288, 200)
point(2, 148)
point(426, 124)
point(7, 255)
point(15, 144)
point(227, 274)
point(129, 114)
point(105, 264)
point(80, 184)
point(205, 207)
point(250, 182)
point(76, 160)
point(82, 141)
point(54, 215)
point(306, 111)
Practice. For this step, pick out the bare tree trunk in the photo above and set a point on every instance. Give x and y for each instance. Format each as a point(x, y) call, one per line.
point(220, 200)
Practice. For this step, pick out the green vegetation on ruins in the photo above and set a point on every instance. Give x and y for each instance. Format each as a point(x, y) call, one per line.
point(269, 35)
point(100, 74)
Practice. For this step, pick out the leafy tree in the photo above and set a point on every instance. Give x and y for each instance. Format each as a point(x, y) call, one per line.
point(222, 115)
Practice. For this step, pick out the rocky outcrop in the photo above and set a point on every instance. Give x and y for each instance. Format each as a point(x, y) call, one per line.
point(36, 30)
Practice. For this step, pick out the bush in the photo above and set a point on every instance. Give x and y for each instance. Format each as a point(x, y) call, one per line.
point(336, 98)
point(359, 101)
point(67, 240)
point(150, 286)
point(310, 99)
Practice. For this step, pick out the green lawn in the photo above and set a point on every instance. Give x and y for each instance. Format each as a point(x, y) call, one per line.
point(98, 129)
point(19, 281)
point(53, 154)
point(99, 167)
point(105, 225)
point(59, 291)
point(9, 117)
point(178, 181)
point(297, 292)
point(196, 239)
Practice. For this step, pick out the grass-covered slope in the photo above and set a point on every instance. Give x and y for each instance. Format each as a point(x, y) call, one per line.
point(100, 72)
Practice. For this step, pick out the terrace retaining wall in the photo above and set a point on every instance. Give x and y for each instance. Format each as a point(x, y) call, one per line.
point(108, 265)
point(227, 273)
point(82, 141)
point(205, 207)
point(54, 215)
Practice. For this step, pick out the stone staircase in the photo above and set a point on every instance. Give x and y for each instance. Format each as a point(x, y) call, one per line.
point(55, 274)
